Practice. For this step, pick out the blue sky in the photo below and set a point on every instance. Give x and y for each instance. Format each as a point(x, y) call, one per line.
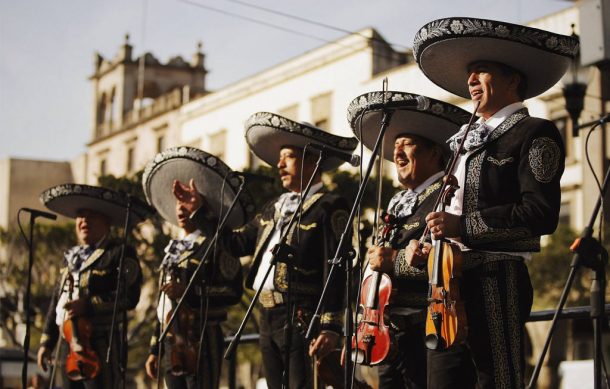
point(47, 49)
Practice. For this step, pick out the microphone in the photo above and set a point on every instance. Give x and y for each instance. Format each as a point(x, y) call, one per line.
point(601, 120)
point(35, 213)
point(420, 103)
point(352, 159)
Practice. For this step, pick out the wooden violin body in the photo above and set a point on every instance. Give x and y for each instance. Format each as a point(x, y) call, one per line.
point(82, 362)
point(183, 338)
point(446, 317)
point(372, 341)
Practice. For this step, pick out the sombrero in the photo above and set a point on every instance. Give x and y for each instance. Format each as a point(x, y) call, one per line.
point(444, 48)
point(69, 199)
point(267, 133)
point(213, 178)
point(437, 121)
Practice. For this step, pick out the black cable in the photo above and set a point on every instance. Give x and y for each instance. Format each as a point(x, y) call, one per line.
point(315, 23)
point(286, 29)
point(597, 182)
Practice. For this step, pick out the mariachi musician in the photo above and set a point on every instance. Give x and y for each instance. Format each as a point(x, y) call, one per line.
point(218, 283)
point(509, 185)
point(415, 141)
point(85, 294)
point(286, 144)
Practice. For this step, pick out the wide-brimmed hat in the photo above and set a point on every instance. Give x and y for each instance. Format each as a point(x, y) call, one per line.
point(69, 199)
point(437, 121)
point(213, 178)
point(267, 133)
point(444, 48)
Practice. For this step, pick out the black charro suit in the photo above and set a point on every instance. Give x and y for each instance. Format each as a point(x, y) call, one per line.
point(314, 238)
point(511, 198)
point(218, 286)
point(97, 285)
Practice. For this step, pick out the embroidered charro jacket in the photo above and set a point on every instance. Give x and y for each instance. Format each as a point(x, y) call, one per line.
point(97, 284)
point(314, 237)
point(511, 190)
point(410, 284)
point(219, 283)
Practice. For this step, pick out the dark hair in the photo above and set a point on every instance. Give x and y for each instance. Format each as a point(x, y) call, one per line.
point(507, 71)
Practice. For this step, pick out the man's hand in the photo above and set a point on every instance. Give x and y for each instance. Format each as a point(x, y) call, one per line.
point(43, 358)
point(152, 365)
point(443, 225)
point(415, 255)
point(187, 195)
point(381, 259)
point(75, 308)
point(173, 290)
point(323, 344)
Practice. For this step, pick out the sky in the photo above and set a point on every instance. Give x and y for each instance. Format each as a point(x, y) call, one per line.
point(47, 48)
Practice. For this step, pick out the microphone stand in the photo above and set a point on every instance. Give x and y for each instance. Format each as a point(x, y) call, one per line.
point(590, 253)
point(385, 121)
point(280, 253)
point(120, 290)
point(28, 293)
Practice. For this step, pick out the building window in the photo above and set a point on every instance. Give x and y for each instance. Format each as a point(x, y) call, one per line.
point(320, 111)
point(160, 143)
point(217, 143)
point(103, 167)
point(130, 158)
point(564, 214)
point(291, 112)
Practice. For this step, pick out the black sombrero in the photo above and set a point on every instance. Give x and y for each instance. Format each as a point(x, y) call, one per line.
point(69, 199)
point(267, 133)
point(444, 48)
point(436, 120)
point(213, 178)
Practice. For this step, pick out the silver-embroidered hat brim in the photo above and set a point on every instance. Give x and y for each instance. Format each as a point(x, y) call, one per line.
point(444, 48)
point(437, 121)
point(69, 199)
point(213, 178)
point(267, 133)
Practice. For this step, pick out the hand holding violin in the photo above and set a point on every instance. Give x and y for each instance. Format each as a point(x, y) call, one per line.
point(76, 308)
point(381, 259)
point(173, 289)
point(443, 225)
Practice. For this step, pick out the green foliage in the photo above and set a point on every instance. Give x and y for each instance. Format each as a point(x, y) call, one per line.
point(50, 241)
point(549, 272)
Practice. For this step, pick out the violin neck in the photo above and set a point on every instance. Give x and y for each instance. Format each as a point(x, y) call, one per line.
point(372, 297)
point(436, 278)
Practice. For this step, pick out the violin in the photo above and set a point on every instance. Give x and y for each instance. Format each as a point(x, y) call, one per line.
point(372, 341)
point(446, 316)
point(82, 363)
point(446, 321)
point(182, 337)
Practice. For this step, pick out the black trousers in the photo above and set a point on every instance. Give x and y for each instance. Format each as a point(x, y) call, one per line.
point(211, 362)
point(272, 325)
point(405, 366)
point(498, 297)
